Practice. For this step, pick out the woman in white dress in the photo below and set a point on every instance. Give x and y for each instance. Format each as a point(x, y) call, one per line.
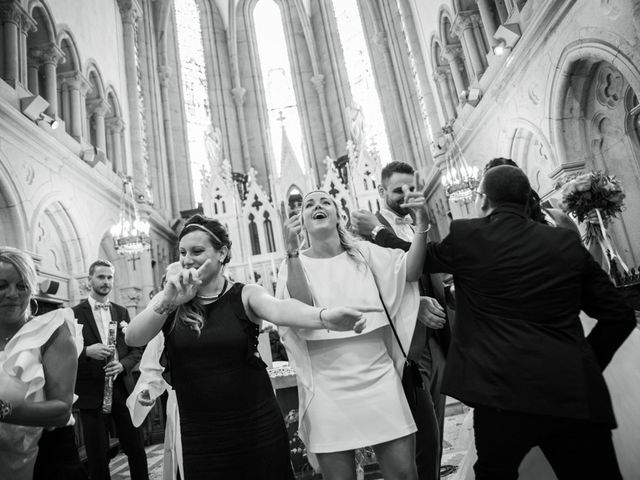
point(349, 386)
point(38, 362)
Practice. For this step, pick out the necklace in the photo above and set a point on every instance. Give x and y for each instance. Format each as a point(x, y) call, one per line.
point(215, 297)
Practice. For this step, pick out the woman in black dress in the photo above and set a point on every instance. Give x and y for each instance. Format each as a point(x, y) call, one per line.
point(230, 421)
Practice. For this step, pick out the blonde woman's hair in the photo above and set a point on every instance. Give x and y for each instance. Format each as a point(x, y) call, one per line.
point(347, 241)
point(23, 263)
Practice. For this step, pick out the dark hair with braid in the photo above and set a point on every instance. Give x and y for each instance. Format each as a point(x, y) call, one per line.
point(533, 207)
point(191, 314)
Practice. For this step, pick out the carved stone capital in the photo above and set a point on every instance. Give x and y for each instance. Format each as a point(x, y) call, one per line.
point(12, 12)
point(98, 107)
point(463, 21)
point(130, 11)
point(75, 80)
point(115, 124)
point(452, 53)
point(238, 95)
point(441, 74)
point(52, 54)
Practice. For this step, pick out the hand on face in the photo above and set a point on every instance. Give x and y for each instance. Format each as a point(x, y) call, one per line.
point(182, 283)
point(363, 222)
point(416, 202)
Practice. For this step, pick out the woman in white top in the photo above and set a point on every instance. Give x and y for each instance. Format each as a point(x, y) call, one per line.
point(349, 386)
point(38, 362)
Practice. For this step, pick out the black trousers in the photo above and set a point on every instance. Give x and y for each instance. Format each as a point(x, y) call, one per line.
point(575, 449)
point(95, 426)
point(58, 456)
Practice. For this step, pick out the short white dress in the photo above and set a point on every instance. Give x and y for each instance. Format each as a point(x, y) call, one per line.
point(22, 380)
point(349, 387)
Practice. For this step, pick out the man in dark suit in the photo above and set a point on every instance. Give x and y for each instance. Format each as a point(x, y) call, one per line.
point(96, 313)
point(518, 352)
point(391, 227)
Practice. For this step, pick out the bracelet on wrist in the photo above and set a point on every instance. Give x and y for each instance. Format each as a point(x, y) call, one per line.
point(5, 409)
point(420, 232)
point(322, 320)
point(376, 230)
point(294, 254)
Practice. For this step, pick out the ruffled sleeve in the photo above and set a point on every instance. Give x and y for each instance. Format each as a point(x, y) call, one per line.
point(24, 358)
point(150, 379)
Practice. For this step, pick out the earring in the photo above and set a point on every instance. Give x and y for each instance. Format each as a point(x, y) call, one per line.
point(36, 302)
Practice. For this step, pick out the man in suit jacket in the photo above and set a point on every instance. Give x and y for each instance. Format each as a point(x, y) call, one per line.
point(96, 313)
point(391, 227)
point(518, 352)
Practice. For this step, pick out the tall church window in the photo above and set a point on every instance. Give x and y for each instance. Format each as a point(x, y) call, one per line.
point(282, 106)
point(364, 91)
point(268, 233)
point(194, 86)
point(253, 235)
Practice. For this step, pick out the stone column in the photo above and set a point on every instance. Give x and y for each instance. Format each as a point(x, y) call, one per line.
point(487, 21)
point(116, 128)
point(98, 109)
point(65, 107)
point(164, 73)
point(463, 28)
point(502, 11)
point(131, 12)
point(15, 20)
point(318, 82)
point(33, 77)
point(453, 55)
point(238, 94)
point(443, 85)
point(76, 83)
point(50, 58)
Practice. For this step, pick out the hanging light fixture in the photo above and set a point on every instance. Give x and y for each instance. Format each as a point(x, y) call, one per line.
point(459, 179)
point(130, 234)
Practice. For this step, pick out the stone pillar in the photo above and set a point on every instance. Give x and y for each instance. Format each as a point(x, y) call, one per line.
point(76, 84)
point(116, 128)
point(443, 85)
point(65, 107)
point(318, 83)
point(33, 77)
point(98, 110)
point(15, 20)
point(130, 12)
point(463, 27)
point(164, 73)
point(487, 21)
point(453, 55)
point(238, 96)
point(50, 58)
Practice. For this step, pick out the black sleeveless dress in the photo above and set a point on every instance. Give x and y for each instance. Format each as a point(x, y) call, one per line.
point(231, 425)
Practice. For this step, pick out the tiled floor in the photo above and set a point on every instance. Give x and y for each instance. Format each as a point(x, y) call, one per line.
point(456, 442)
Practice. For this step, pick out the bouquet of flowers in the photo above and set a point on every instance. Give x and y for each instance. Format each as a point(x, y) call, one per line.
point(597, 199)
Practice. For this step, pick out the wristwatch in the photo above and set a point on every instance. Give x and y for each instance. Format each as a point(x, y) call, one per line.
point(376, 230)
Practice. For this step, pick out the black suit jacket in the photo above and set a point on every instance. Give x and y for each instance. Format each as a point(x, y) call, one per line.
point(90, 378)
point(518, 343)
point(430, 284)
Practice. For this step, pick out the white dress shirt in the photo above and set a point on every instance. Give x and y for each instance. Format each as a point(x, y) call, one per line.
point(401, 225)
point(102, 317)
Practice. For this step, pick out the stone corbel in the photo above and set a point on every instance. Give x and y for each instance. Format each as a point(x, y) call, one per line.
point(130, 11)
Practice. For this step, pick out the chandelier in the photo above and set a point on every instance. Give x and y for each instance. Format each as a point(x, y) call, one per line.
point(459, 179)
point(130, 234)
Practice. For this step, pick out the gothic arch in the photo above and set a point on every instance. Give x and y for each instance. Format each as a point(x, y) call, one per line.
point(97, 89)
point(68, 45)
point(445, 20)
point(589, 124)
point(46, 25)
point(12, 213)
